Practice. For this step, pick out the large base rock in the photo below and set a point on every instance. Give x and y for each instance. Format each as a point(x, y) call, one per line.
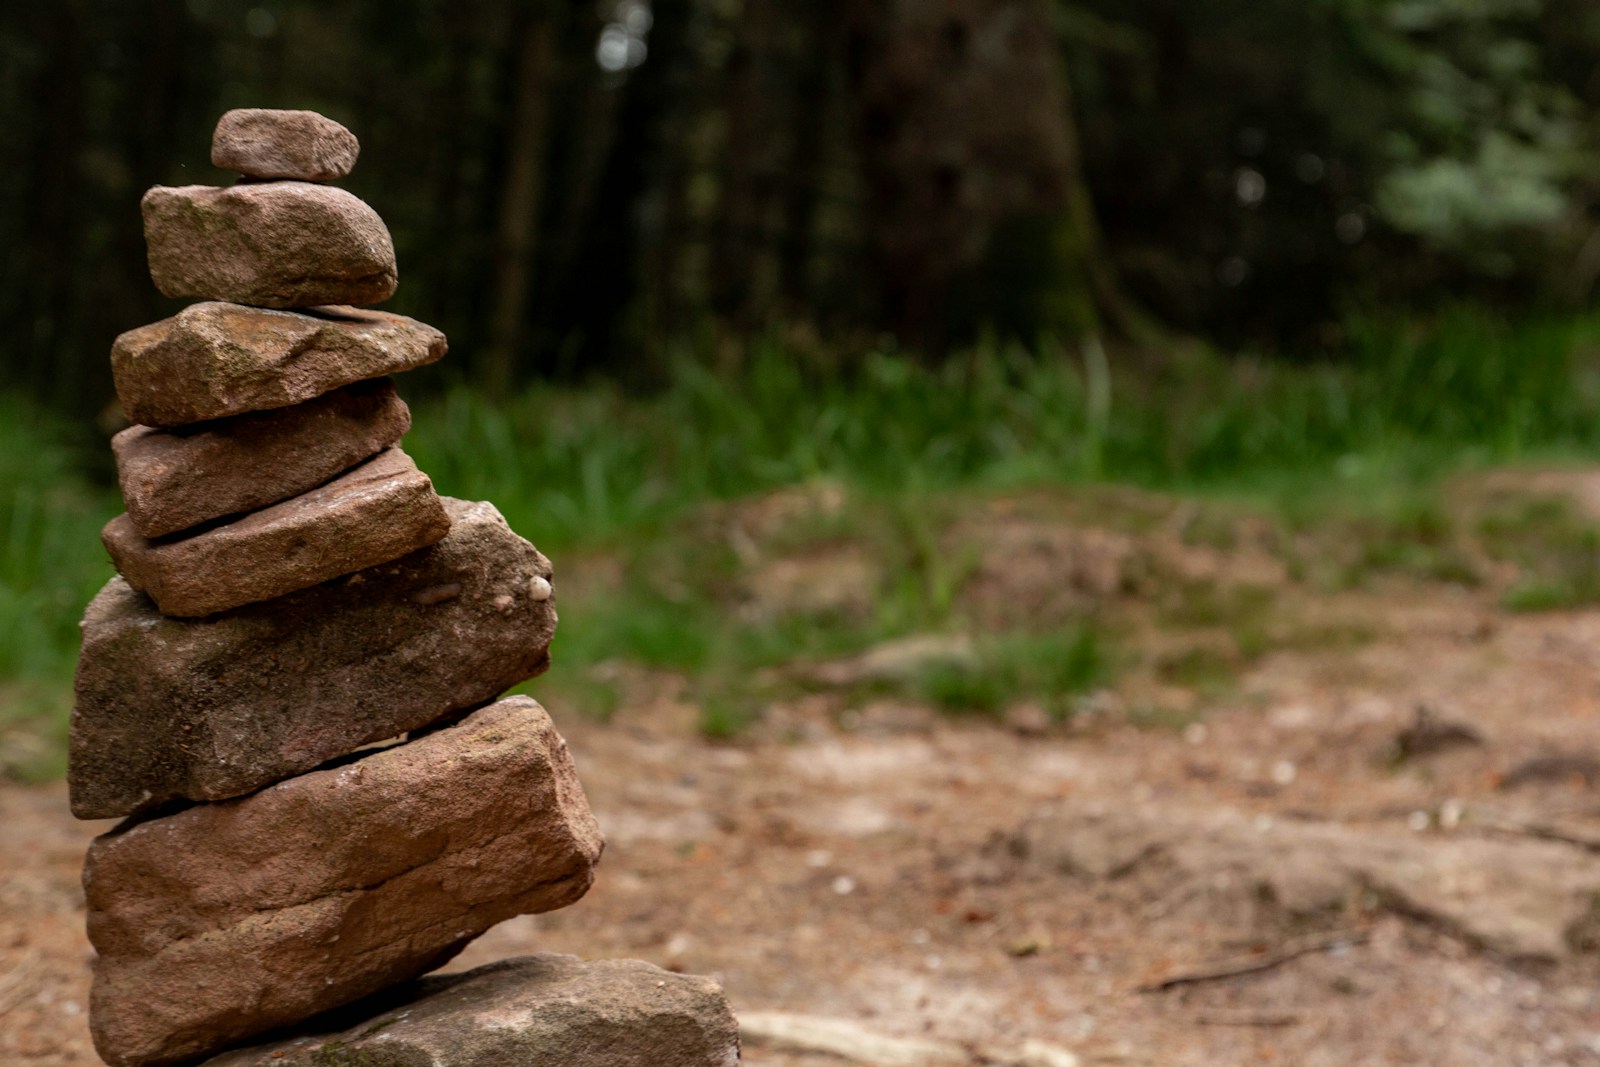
point(272, 244)
point(213, 360)
point(372, 514)
point(176, 479)
point(537, 1011)
point(227, 920)
point(215, 708)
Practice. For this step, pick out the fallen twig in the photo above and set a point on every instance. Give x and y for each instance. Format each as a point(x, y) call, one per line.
point(1543, 832)
point(17, 983)
point(1265, 1019)
point(845, 1039)
point(1264, 961)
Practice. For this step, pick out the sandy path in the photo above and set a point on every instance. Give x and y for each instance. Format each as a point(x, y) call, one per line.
point(886, 872)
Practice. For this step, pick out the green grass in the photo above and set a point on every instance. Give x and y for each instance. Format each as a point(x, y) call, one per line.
point(51, 563)
point(1346, 459)
point(1049, 668)
point(578, 466)
point(1556, 549)
point(1206, 670)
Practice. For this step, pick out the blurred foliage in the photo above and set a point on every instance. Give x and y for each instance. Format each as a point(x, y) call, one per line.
point(51, 563)
point(1261, 170)
point(594, 187)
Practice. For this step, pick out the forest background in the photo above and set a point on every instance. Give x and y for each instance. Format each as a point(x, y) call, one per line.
point(689, 250)
point(583, 189)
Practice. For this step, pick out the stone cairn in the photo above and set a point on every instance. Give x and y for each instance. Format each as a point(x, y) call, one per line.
point(292, 592)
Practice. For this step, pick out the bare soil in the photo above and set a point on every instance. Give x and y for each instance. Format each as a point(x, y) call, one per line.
point(1416, 813)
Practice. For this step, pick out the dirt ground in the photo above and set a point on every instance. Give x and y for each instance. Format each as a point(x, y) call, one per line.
point(1397, 842)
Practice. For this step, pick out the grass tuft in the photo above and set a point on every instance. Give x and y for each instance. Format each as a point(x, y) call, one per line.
point(51, 564)
point(1556, 549)
point(1050, 668)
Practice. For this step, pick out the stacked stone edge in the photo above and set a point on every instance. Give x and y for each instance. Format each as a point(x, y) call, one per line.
point(291, 592)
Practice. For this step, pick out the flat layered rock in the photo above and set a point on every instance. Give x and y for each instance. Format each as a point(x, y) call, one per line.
point(534, 1011)
point(213, 360)
point(272, 244)
point(262, 142)
point(227, 920)
point(379, 511)
point(171, 708)
point(176, 479)
point(1526, 900)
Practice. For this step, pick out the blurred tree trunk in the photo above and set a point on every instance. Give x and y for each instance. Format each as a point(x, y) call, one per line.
point(979, 216)
point(1086, 261)
point(521, 197)
point(817, 27)
point(55, 221)
point(450, 288)
point(674, 290)
point(604, 293)
point(743, 178)
point(155, 90)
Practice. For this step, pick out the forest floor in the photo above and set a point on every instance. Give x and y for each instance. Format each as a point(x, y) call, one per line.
point(1324, 805)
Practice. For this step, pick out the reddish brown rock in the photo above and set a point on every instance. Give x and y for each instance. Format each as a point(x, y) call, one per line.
point(175, 479)
point(213, 360)
point(529, 1012)
point(374, 513)
point(272, 244)
point(263, 143)
point(170, 708)
point(227, 920)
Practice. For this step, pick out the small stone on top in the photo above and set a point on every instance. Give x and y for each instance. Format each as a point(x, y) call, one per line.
point(302, 145)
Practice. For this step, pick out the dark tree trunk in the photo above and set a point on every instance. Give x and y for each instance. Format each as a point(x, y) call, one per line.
point(602, 292)
point(521, 198)
point(450, 192)
point(56, 215)
point(979, 216)
point(817, 26)
point(734, 234)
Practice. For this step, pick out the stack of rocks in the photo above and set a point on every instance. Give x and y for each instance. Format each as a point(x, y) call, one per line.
point(292, 592)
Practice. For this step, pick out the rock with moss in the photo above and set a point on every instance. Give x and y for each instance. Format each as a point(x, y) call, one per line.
point(536, 1011)
point(270, 244)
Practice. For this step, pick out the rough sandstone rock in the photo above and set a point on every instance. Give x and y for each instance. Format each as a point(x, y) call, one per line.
point(272, 244)
point(227, 920)
point(170, 708)
point(379, 511)
point(213, 360)
point(533, 1011)
point(265, 143)
point(176, 479)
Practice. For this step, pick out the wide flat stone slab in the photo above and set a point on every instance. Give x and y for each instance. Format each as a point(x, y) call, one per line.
point(376, 512)
point(1526, 900)
point(176, 479)
point(271, 244)
point(204, 710)
point(227, 920)
point(213, 360)
point(263, 142)
point(531, 1011)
